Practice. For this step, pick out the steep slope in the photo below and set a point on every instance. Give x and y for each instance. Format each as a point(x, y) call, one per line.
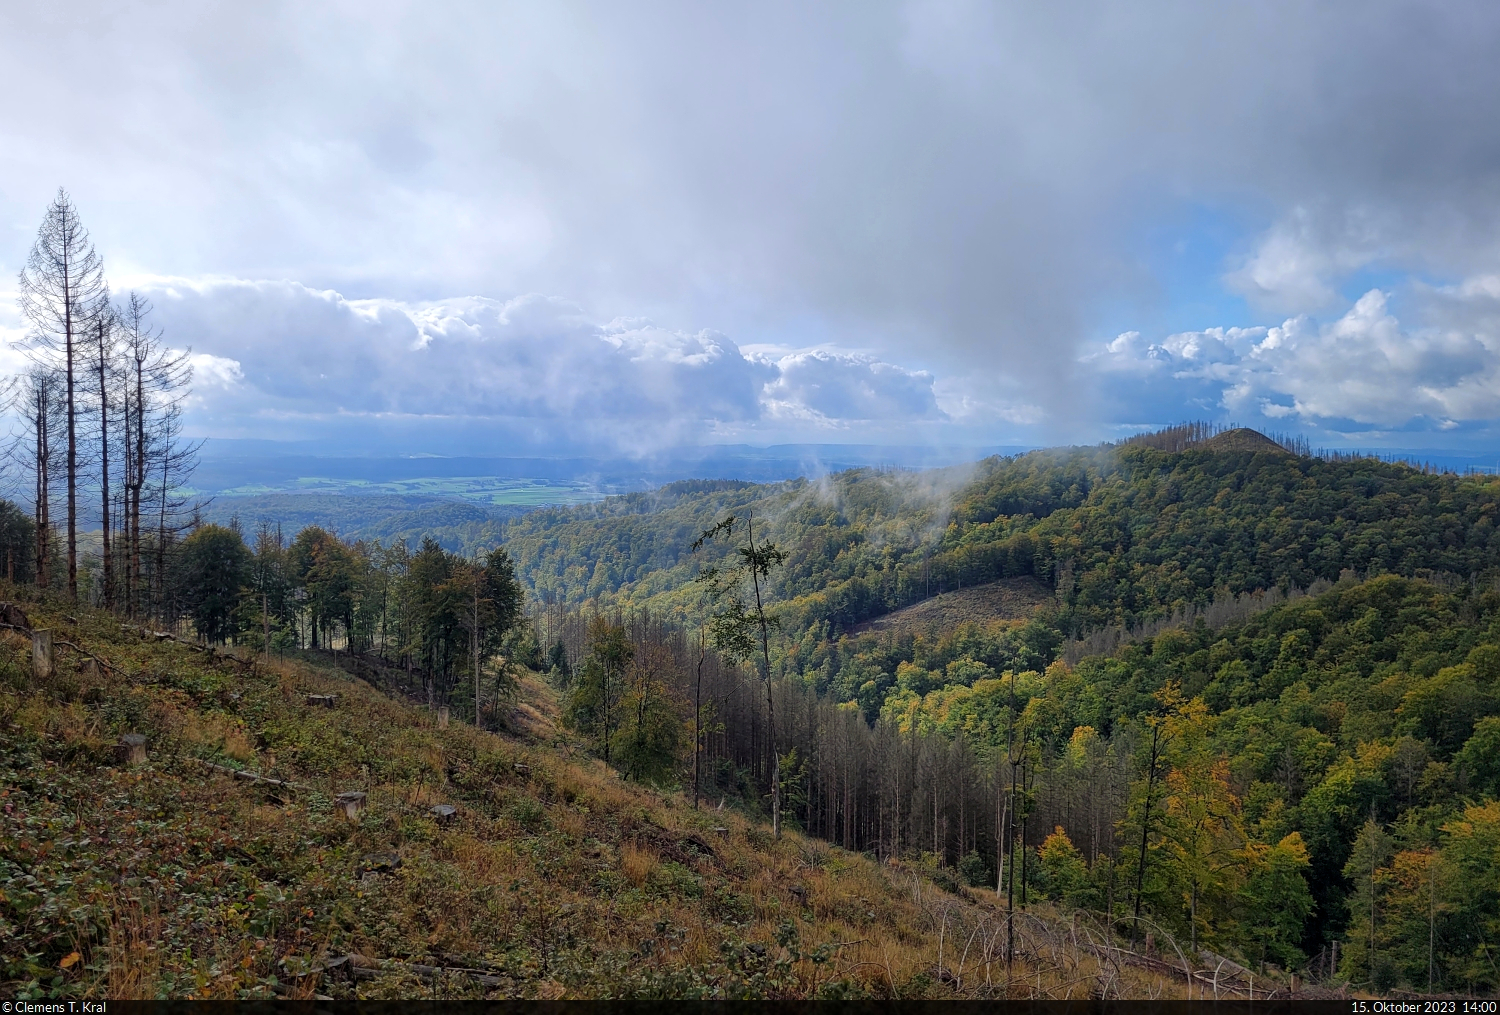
point(223, 865)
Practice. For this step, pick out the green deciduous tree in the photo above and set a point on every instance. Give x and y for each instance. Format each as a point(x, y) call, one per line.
point(648, 739)
point(594, 701)
point(1275, 900)
point(217, 565)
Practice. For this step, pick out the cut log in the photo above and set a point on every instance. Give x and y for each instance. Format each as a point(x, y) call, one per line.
point(522, 768)
point(353, 804)
point(42, 659)
point(322, 700)
point(721, 831)
point(444, 814)
point(443, 717)
point(132, 749)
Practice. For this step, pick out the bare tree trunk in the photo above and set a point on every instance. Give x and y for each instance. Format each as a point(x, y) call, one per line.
point(698, 712)
point(43, 485)
point(1140, 873)
point(161, 539)
point(72, 465)
point(60, 286)
point(102, 326)
point(139, 480)
point(474, 639)
point(765, 651)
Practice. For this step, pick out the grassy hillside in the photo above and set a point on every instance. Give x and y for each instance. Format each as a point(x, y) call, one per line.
point(1005, 600)
point(555, 879)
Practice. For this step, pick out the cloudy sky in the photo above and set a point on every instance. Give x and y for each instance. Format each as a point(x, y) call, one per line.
point(489, 227)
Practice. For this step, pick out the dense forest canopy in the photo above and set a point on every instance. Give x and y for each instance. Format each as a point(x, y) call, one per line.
point(1122, 535)
point(1125, 533)
point(1263, 786)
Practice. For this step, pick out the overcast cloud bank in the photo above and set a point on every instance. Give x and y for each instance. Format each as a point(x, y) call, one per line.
point(907, 221)
point(280, 359)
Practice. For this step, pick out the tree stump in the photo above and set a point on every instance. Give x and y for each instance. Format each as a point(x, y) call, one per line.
point(721, 831)
point(444, 814)
point(521, 769)
point(380, 863)
point(132, 749)
point(443, 717)
point(321, 700)
point(42, 659)
point(353, 804)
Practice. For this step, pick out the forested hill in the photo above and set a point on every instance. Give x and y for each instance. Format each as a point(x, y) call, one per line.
point(1123, 533)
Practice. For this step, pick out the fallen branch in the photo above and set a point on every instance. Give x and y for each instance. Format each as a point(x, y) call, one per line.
point(146, 632)
point(66, 644)
point(240, 773)
point(362, 968)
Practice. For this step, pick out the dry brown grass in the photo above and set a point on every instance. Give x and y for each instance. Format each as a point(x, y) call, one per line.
point(637, 864)
point(1011, 599)
point(133, 950)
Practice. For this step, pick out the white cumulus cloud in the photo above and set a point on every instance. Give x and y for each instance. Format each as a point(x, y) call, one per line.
point(1365, 369)
point(538, 369)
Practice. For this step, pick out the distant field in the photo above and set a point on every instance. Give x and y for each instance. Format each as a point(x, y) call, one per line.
point(461, 526)
point(1009, 599)
point(481, 489)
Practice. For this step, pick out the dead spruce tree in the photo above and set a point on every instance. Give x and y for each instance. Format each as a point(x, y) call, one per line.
point(36, 403)
point(103, 364)
point(153, 380)
point(62, 294)
point(738, 619)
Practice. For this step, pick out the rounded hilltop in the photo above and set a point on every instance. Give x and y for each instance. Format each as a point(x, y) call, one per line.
point(1200, 436)
point(1242, 439)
